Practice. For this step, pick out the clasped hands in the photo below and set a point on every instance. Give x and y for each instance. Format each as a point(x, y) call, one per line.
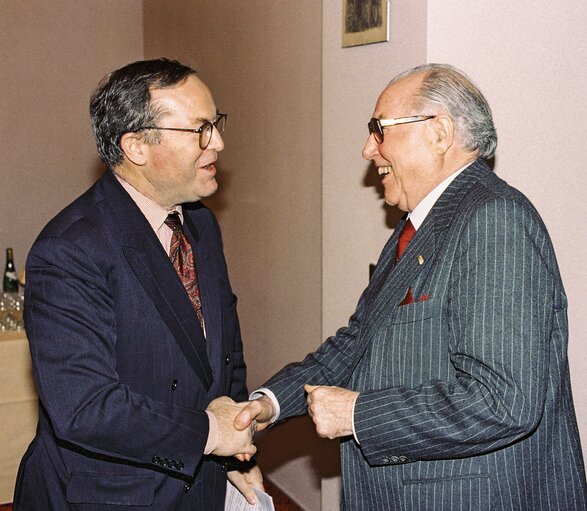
point(331, 409)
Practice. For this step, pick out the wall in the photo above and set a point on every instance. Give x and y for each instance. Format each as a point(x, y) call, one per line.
point(52, 55)
point(528, 57)
point(262, 61)
point(355, 221)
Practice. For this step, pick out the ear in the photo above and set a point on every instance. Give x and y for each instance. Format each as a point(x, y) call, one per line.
point(444, 133)
point(134, 148)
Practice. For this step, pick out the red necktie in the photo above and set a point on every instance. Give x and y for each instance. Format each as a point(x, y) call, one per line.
point(404, 238)
point(183, 260)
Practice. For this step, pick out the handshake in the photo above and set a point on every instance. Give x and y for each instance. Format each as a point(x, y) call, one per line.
point(331, 409)
point(237, 423)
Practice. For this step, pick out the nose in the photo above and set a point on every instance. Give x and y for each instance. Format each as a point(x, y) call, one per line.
point(371, 147)
point(216, 142)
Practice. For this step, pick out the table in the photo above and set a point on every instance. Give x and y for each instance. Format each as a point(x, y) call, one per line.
point(18, 407)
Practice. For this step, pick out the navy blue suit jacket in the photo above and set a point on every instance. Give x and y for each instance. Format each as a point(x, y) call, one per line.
point(122, 370)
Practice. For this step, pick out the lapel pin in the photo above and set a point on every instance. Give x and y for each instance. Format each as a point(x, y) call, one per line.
point(420, 260)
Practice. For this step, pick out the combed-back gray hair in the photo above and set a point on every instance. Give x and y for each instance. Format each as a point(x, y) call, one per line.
point(457, 95)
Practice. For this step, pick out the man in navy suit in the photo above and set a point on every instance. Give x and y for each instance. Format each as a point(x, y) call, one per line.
point(450, 387)
point(130, 353)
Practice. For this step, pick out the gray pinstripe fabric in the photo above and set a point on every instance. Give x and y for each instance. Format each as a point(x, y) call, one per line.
point(465, 398)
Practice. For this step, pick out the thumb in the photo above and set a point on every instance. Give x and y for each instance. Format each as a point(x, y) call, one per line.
point(244, 418)
point(310, 388)
point(240, 482)
point(249, 494)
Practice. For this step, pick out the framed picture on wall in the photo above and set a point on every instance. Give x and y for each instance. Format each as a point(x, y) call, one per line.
point(364, 22)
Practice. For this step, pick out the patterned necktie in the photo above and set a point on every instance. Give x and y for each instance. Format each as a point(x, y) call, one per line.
point(183, 260)
point(404, 238)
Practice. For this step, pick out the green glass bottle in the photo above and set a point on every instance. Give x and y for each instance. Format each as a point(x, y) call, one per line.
point(10, 284)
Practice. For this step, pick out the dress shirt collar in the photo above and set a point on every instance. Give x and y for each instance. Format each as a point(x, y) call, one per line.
point(420, 212)
point(155, 214)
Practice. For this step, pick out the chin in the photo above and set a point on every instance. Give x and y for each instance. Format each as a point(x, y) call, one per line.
point(208, 192)
point(390, 202)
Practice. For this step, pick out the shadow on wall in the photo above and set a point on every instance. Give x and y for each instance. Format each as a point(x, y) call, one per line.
point(297, 438)
point(372, 180)
point(392, 214)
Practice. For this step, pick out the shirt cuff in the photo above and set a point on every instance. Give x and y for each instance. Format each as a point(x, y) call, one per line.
point(212, 442)
point(353, 422)
point(259, 393)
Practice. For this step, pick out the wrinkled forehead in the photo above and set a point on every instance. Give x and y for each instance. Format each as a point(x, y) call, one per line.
point(190, 100)
point(399, 98)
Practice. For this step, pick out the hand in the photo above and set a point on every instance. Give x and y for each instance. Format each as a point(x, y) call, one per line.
point(331, 409)
point(230, 440)
point(246, 481)
point(256, 414)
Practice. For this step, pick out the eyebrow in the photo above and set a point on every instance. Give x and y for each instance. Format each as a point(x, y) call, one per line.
point(204, 119)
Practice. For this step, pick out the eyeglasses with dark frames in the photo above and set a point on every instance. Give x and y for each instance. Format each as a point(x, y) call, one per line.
point(376, 125)
point(205, 130)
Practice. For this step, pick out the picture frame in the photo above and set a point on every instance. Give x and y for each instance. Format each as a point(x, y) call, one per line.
point(364, 22)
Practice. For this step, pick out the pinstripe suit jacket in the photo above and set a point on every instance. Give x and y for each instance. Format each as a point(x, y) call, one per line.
point(465, 400)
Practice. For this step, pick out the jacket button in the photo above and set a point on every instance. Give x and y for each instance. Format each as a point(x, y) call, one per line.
point(180, 465)
point(227, 360)
point(186, 487)
point(403, 459)
point(173, 384)
point(156, 460)
point(385, 459)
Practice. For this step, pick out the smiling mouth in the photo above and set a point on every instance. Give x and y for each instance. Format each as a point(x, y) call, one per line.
point(383, 171)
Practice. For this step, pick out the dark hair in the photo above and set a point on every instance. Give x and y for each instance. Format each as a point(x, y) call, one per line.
point(454, 92)
point(122, 103)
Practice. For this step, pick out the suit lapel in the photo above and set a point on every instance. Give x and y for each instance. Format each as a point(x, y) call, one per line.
point(199, 238)
point(152, 267)
point(390, 286)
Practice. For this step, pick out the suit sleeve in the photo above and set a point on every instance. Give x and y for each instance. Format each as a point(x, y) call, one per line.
point(501, 300)
point(333, 362)
point(72, 330)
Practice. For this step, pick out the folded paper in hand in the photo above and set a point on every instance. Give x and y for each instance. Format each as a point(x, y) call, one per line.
point(236, 502)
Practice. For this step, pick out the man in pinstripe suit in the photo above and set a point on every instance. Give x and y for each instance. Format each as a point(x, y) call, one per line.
point(449, 388)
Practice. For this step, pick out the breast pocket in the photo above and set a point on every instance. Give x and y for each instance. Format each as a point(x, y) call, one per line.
point(414, 312)
point(415, 345)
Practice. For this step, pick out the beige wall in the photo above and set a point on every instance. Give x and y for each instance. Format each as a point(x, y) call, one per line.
point(52, 55)
point(355, 221)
